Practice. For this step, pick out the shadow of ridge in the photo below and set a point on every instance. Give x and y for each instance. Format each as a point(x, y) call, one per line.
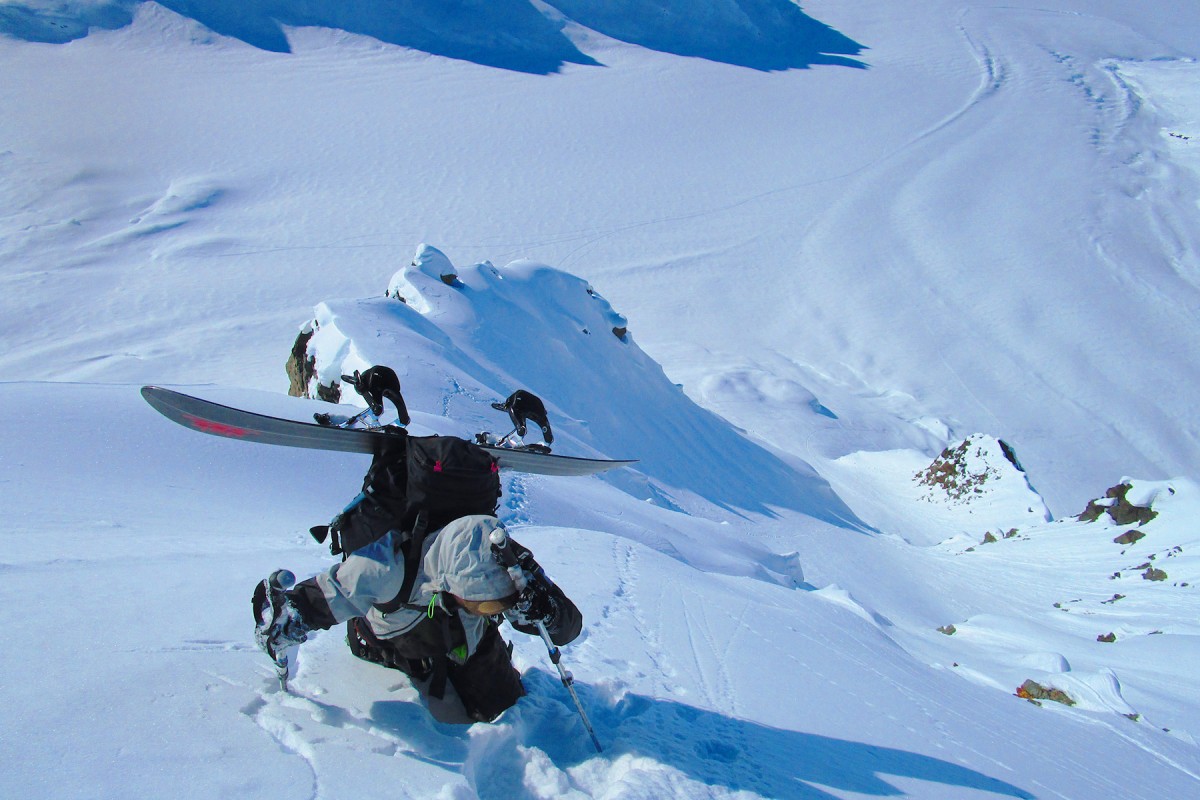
point(507, 34)
point(696, 450)
point(738, 754)
point(766, 35)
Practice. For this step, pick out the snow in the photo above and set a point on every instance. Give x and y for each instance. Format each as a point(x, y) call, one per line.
point(836, 240)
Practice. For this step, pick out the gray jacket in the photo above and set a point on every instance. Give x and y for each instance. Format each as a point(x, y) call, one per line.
point(456, 560)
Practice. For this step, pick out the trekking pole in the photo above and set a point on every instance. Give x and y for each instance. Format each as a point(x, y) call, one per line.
point(568, 680)
point(504, 554)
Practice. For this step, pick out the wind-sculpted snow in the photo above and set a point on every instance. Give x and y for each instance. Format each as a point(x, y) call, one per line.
point(510, 34)
point(461, 345)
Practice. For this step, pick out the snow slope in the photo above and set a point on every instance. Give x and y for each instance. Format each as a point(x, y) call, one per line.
point(156, 686)
point(855, 235)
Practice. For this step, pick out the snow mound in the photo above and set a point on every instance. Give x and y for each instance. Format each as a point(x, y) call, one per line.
point(463, 338)
point(975, 487)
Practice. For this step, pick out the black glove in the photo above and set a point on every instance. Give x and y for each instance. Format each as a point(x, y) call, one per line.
point(522, 405)
point(537, 604)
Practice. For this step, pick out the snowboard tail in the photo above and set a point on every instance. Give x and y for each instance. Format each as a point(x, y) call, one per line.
point(235, 423)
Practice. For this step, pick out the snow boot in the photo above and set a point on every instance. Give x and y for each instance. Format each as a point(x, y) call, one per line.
point(278, 624)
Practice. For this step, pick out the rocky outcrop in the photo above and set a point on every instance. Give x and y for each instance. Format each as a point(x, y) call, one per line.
point(301, 367)
point(1129, 537)
point(1034, 692)
point(1116, 504)
point(302, 370)
point(981, 476)
point(952, 473)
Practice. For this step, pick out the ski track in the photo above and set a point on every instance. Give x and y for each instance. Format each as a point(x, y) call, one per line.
point(993, 77)
point(719, 688)
point(627, 584)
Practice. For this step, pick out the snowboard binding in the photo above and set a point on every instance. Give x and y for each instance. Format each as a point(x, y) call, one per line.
point(522, 407)
point(375, 385)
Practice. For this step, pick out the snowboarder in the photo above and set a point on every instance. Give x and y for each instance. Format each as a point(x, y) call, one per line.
point(445, 629)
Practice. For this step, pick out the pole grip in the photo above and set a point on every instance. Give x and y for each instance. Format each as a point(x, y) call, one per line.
point(503, 552)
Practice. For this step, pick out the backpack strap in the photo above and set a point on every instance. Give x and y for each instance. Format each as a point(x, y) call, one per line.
point(441, 662)
point(412, 549)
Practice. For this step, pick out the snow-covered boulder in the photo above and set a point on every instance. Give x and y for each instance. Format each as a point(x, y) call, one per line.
point(411, 284)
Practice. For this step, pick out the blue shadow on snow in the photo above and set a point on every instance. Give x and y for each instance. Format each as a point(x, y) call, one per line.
point(760, 34)
point(508, 34)
point(707, 747)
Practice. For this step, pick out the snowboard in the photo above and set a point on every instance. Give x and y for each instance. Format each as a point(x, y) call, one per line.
point(235, 423)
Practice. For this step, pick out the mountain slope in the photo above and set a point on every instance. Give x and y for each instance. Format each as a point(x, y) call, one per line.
point(958, 221)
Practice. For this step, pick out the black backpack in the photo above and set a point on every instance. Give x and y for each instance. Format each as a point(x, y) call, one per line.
point(416, 484)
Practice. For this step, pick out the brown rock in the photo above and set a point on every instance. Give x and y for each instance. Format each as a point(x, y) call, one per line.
point(1129, 537)
point(301, 367)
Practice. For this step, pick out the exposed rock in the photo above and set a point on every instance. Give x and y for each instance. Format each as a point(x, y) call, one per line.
point(331, 393)
point(990, 537)
point(1107, 638)
point(1033, 692)
point(301, 367)
point(949, 471)
point(1154, 574)
point(949, 630)
point(1129, 537)
point(1118, 508)
point(302, 370)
